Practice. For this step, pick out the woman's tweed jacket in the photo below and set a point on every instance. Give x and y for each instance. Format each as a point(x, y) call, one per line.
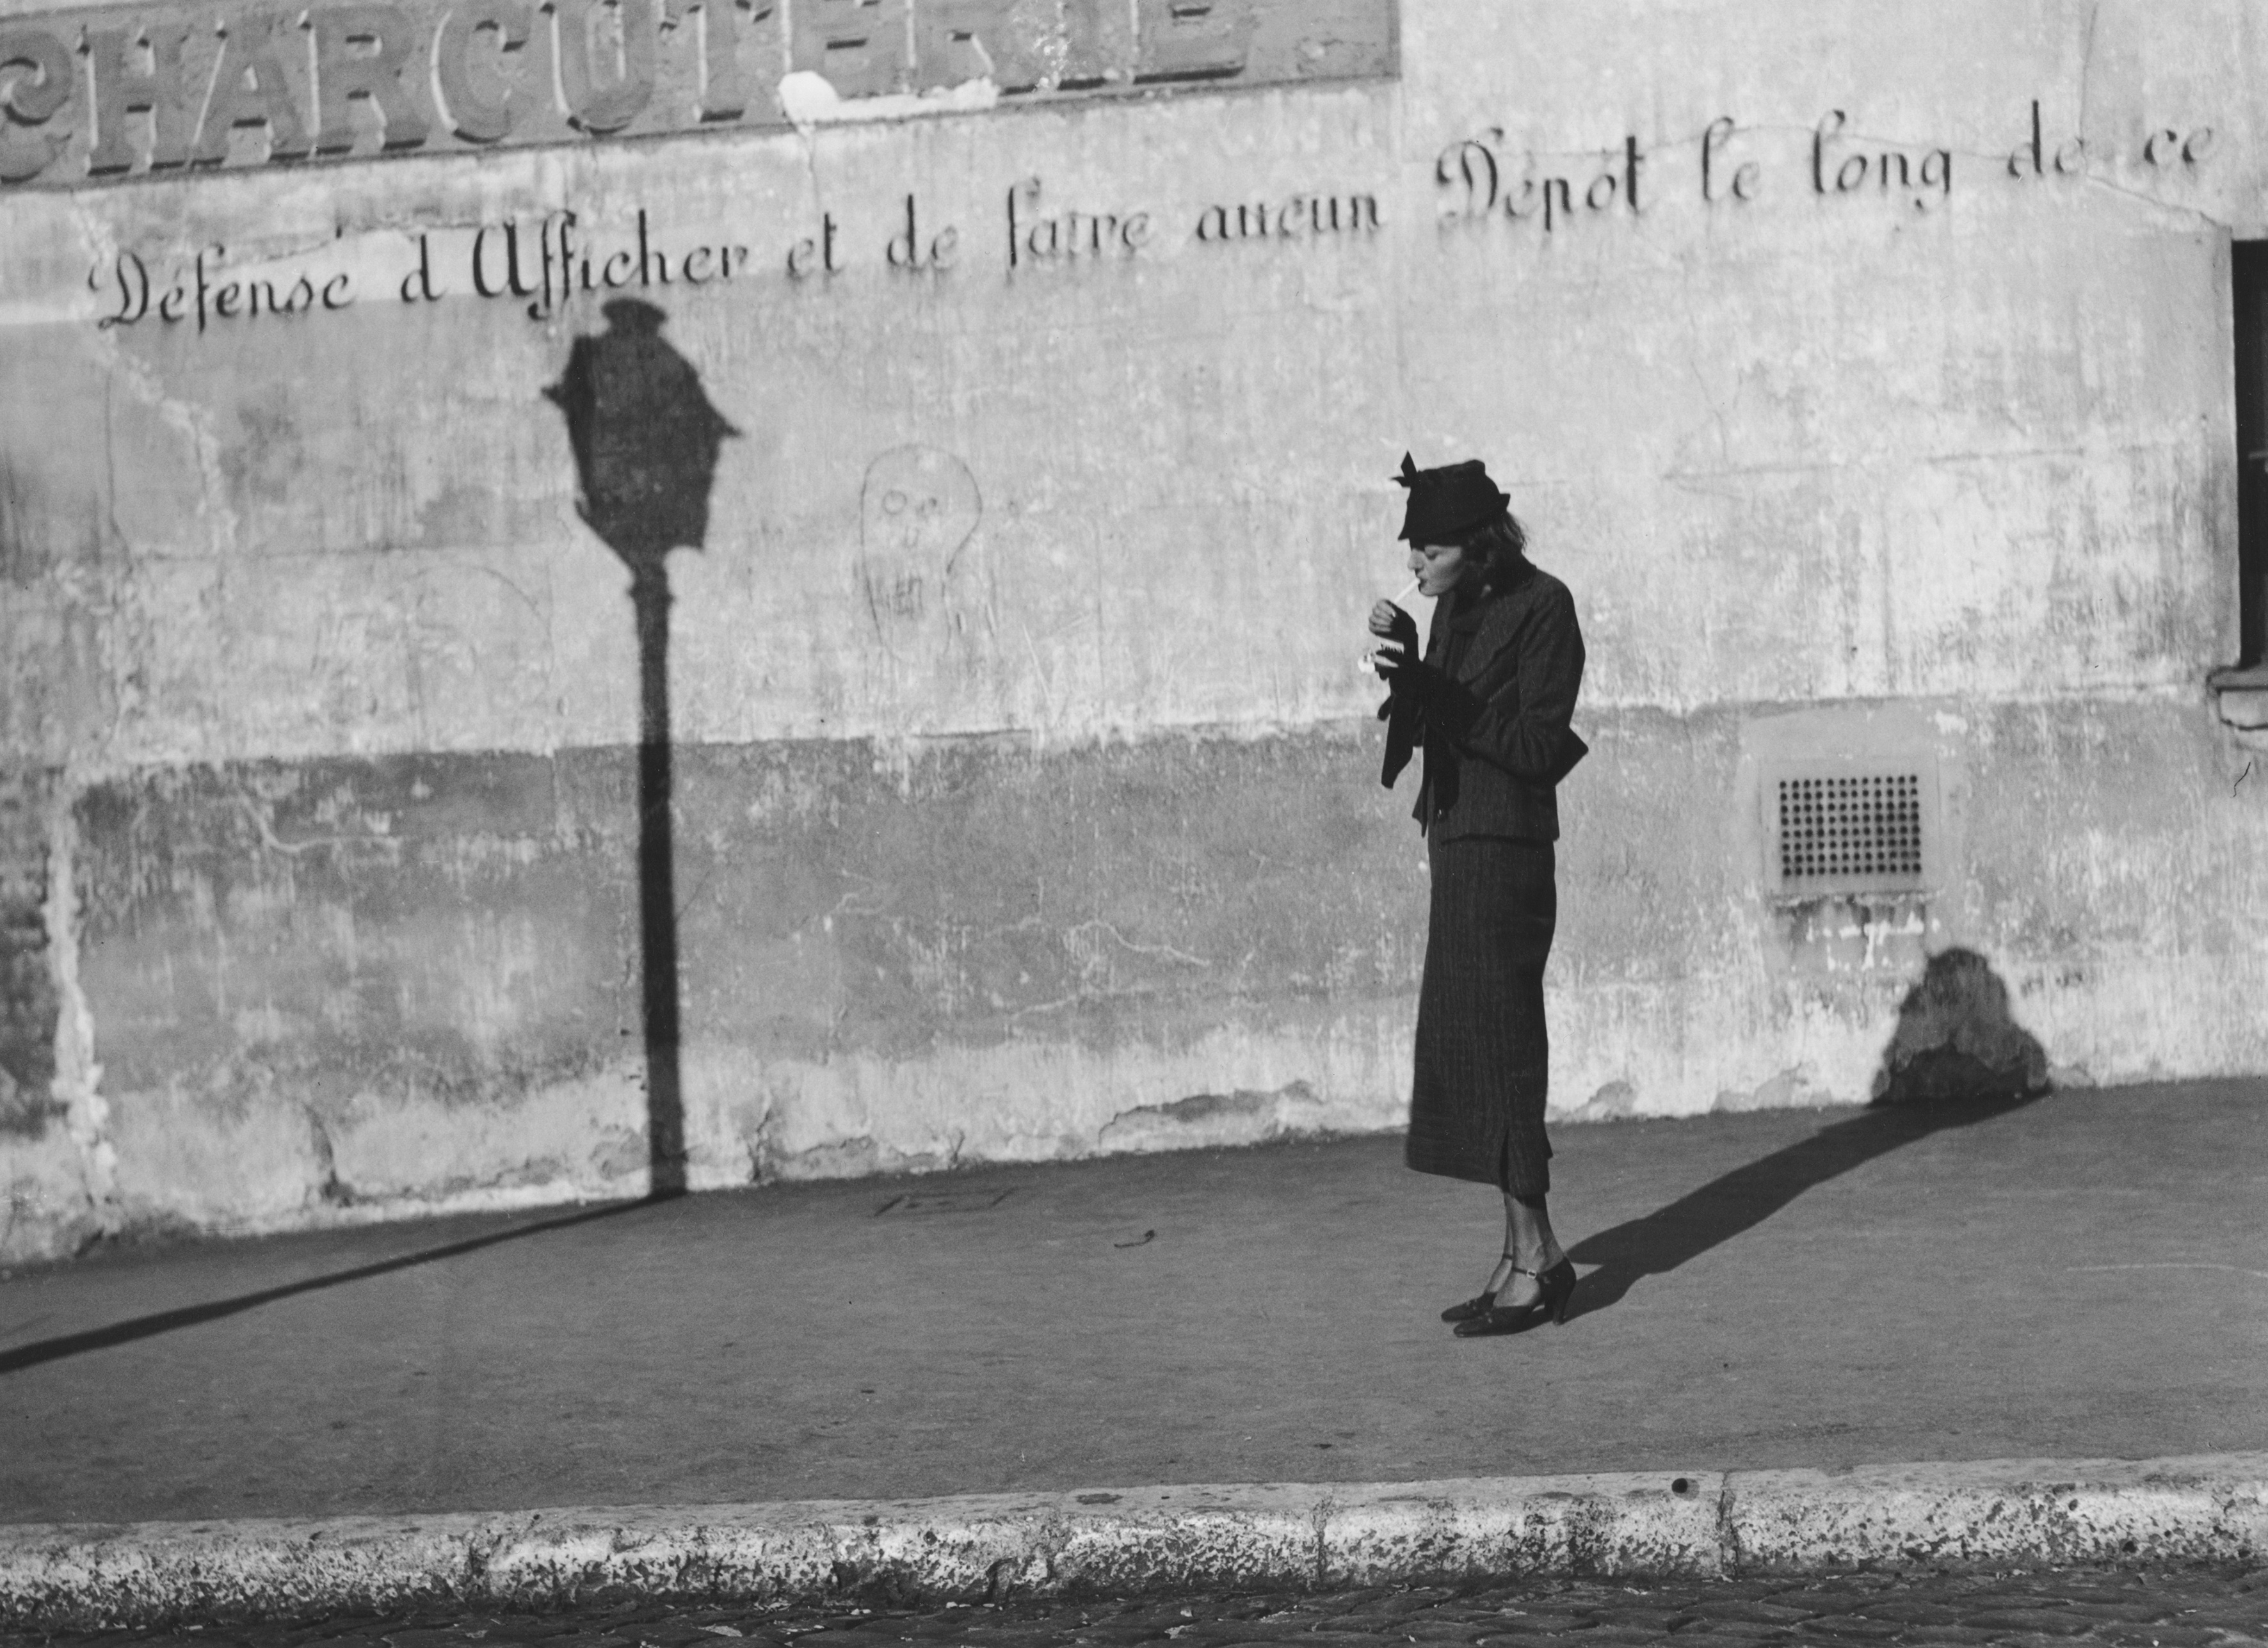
point(1495, 732)
point(1491, 711)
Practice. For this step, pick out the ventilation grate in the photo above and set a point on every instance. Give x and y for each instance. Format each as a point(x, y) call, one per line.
point(1863, 828)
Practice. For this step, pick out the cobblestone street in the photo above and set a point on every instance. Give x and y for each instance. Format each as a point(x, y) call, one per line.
point(2129, 1610)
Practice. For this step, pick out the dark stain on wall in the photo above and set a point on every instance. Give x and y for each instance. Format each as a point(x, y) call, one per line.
point(28, 1003)
point(268, 461)
point(24, 556)
point(1098, 896)
point(466, 926)
point(45, 522)
point(433, 924)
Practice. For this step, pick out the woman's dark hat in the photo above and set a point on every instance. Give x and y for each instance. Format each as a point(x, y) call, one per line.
point(1448, 503)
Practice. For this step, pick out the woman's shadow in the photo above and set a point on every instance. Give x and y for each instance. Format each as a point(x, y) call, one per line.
point(1956, 1058)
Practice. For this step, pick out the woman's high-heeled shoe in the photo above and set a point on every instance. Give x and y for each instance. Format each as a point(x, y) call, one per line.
point(1479, 1305)
point(1559, 1286)
point(1556, 1288)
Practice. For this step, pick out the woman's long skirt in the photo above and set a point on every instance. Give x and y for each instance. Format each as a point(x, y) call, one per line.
point(1476, 1104)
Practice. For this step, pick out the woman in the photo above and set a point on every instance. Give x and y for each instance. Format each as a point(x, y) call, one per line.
point(1489, 704)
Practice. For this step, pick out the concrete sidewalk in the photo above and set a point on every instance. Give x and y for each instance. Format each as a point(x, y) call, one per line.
point(2082, 1277)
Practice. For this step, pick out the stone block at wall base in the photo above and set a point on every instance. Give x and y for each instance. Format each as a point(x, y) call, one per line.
point(46, 1208)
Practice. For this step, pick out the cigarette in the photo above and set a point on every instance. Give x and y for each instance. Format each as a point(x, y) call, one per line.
point(1365, 664)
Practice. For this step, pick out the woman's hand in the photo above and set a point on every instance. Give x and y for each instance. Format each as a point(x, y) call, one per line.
point(1399, 630)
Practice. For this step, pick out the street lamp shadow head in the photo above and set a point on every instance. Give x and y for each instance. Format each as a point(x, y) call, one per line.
point(644, 436)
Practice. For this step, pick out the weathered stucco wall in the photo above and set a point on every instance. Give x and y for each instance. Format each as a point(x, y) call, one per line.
point(1024, 802)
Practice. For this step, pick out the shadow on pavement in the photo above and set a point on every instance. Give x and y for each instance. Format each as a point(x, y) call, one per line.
point(190, 1315)
point(1746, 1196)
point(1956, 1057)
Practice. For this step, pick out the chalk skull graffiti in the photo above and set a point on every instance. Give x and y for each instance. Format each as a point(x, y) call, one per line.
point(918, 510)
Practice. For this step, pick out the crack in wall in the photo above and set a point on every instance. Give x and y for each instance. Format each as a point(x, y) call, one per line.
point(193, 419)
point(1728, 1529)
point(2086, 62)
point(329, 1187)
point(79, 1078)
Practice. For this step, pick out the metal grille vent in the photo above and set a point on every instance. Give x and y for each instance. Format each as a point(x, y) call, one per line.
point(1863, 828)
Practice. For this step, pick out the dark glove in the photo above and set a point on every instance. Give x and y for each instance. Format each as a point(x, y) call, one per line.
point(1395, 658)
point(1389, 623)
point(1406, 675)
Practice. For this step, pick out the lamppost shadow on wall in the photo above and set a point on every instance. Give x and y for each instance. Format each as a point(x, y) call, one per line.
point(646, 441)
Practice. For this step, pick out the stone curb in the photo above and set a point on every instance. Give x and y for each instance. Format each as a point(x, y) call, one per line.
point(2209, 1508)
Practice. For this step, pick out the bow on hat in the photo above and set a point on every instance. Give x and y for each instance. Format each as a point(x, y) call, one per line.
point(1450, 502)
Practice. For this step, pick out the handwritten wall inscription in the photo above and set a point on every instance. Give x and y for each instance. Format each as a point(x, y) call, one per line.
point(103, 93)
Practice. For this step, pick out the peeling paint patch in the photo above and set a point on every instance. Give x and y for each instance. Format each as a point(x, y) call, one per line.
point(808, 98)
point(1215, 1119)
point(1795, 1087)
point(1612, 1100)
